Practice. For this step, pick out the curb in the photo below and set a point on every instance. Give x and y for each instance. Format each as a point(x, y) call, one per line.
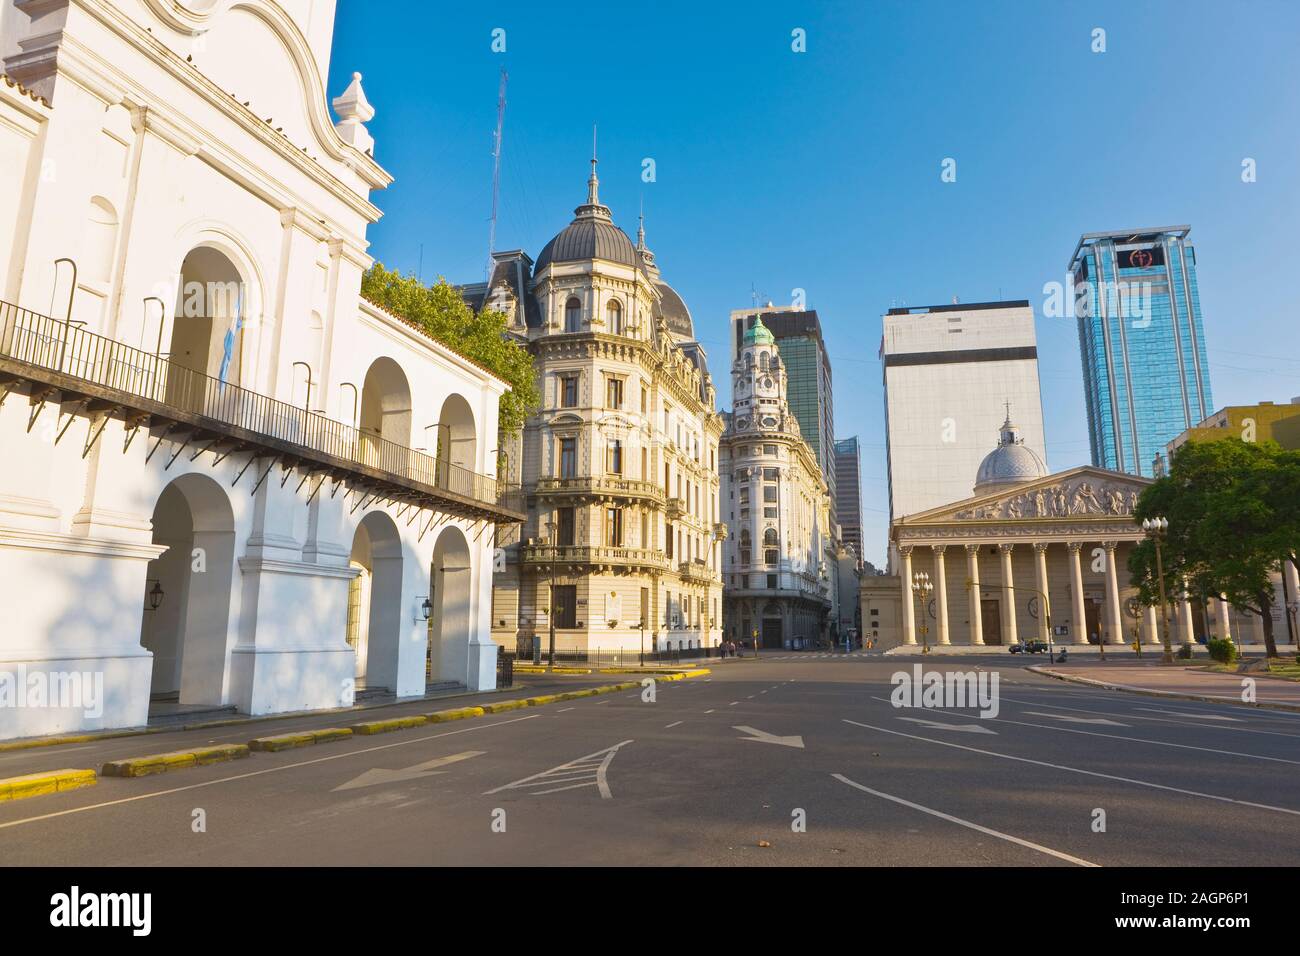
point(39, 784)
point(303, 739)
point(1168, 694)
point(457, 713)
point(387, 726)
point(176, 760)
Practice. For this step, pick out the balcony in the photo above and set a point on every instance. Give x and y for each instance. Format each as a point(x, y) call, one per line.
point(720, 531)
point(695, 570)
point(600, 488)
point(592, 560)
point(102, 378)
point(676, 508)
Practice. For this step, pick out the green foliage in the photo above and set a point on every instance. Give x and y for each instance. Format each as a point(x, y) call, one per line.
point(443, 314)
point(1233, 516)
point(1185, 652)
point(1223, 651)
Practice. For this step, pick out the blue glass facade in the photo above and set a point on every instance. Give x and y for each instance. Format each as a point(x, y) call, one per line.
point(1145, 374)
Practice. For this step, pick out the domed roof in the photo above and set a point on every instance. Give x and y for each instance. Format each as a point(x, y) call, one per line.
point(1011, 463)
point(759, 334)
point(674, 311)
point(591, 235)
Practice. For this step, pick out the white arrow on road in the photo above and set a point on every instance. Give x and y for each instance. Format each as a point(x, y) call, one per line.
point(377, 776)
point(940, 725)
point(763, 737)
point(1078, 720)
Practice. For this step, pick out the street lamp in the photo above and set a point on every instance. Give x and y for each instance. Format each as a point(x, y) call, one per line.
point(922, 587)
point(1156, 528)
point(550, 618)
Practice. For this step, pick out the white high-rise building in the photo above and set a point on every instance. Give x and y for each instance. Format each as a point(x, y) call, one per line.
point(952, 375)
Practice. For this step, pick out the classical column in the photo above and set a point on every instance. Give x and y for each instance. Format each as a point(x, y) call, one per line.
point(1185, 617)
point(1149, 624)
point(976, 614)
point(1115, 623)
point(1079, 628)
point(1008, 593)
point(941, 592)
point(1044, 601)
point(909, 616)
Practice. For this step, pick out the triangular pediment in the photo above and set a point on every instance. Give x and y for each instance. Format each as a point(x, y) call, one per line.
point(1082, 493)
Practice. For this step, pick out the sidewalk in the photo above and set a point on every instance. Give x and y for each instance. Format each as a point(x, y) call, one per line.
point(1187, 682)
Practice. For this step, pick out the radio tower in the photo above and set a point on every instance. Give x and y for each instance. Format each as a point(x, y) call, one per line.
point(496, 171)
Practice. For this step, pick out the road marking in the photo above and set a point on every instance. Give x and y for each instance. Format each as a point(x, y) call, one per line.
point(563, 709)
point(940, 725)
point(1162, 720)
point(258, 773)
point(966, 823)
point(1087, 773)
point(594, 766)
point(1179, 713)
point(1143, 740)
point(378, 775)
point(708, 711)
point(672, 725)
point(733, 703)
point(763, 737)
point(1078, 720)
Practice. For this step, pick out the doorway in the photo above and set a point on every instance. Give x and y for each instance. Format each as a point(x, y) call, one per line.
point(991, 620)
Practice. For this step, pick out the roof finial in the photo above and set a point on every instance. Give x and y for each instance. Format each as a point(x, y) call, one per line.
point(593, 182)
point(640, 229)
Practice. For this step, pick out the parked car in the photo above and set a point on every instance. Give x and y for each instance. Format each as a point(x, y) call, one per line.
point(1028, 647)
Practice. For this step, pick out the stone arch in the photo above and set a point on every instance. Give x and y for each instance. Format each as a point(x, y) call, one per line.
point(457, 444)
point(385, 410)
point(188, 591)
point(451, 594)
point(209, 319)
point(378, 558)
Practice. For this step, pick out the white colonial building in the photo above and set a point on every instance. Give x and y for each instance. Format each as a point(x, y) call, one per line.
point(782, 560)
point(228, 481)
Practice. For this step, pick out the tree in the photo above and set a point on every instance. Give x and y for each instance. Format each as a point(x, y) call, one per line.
point(1232, 512)
point(479, 336)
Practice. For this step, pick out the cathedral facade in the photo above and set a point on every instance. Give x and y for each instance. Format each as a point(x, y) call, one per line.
point(781, 552)
point(618, 469)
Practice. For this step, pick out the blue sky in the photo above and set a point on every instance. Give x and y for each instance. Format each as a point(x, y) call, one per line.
point(820, 170)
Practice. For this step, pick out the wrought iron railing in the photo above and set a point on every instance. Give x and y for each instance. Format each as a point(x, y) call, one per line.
point(128, 373)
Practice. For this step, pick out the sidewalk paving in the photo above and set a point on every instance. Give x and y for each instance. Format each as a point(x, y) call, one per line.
point(1190, 682)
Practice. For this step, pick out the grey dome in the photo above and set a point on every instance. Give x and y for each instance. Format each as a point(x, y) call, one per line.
point(588, 237)
point(674, 311)
point(1011, 463)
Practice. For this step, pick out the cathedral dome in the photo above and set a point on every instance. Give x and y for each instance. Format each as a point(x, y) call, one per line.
point(591, 235)
point(759, 334)
point(1011, 463)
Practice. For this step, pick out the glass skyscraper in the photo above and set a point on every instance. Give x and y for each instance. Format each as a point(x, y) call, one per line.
point(1145, 374)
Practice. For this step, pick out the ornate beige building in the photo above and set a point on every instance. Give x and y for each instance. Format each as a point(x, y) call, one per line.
point(1025, 539)
point(619, 467)
point(781, 557)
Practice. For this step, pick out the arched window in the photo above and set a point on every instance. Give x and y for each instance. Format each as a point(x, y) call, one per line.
point(770, 538)
point(573, 315)
point(762, 360)
point(614, 317)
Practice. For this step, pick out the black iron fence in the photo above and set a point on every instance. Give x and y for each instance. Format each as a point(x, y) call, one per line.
point(505, 669)
point(54, 345)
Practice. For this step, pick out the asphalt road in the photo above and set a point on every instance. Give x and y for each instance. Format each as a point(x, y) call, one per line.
point(620, 781)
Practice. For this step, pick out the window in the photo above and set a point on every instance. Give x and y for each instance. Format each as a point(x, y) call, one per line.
point(769, 450)
point(568, 391)
point(613, 393)
point(564, 525)
point(771, 556)
point(770, 512)
point(614, 457)
point(645, 398)
point(744, 555)
point(614, 527)
point(668, 540)
point(564, 605)
point(771, 539)
point(645, 464)
point(769, 493)
point(771, 474)
point(573, 315)
point(614, 317)
point(771, 582)
point(568, 457)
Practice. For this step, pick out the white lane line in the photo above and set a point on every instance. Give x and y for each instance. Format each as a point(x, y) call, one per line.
point(944, 725)
point(733, 703)
point(258, 773)
point(966, 823)
point(1160, 720)
point(1179, 713)
point(1087, 773)
point(593, 765)
point(1154, 743)
point(563, 709)
point(1077, 720)
point(708, 711)
point(672, 725)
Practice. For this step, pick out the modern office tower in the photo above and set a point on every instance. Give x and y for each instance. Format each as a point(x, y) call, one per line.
point(848, 492)
point(953, 374)
point(798, 334)
point(1145, 374)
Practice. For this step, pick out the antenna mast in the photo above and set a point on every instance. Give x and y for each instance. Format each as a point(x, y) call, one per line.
point(496, 170)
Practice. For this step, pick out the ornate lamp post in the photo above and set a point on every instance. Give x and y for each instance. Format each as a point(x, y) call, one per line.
point(1156, 528)
point(922, 587)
